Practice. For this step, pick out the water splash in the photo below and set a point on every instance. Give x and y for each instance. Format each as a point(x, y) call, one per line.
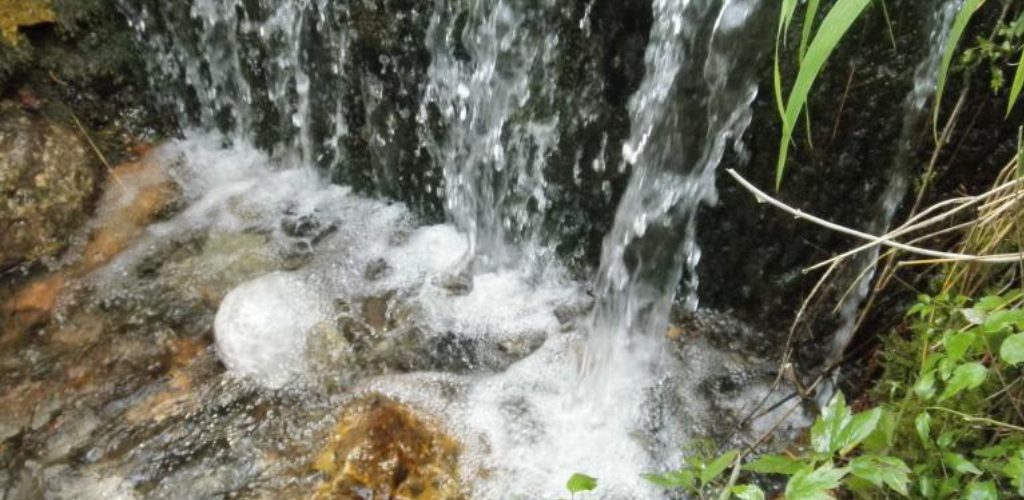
point(679, 136)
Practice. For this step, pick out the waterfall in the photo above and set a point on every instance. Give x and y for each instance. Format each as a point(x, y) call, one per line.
point(694, 101)
point(489, 77)
point(248, 68)
point(914, 116)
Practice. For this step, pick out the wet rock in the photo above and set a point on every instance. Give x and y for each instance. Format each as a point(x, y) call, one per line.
point(134, 196)
point(381, 448)
point(308, 227)
point(376, 269)
point(72, 431)
point(225, 261)
point(458, 282)
point(569, 312)
point(375, 312)
point(48, 177)
point(29, 307)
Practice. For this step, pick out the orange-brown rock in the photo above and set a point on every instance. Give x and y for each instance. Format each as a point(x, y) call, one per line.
point(30, 306)
point(383, 446)
point(134, 195)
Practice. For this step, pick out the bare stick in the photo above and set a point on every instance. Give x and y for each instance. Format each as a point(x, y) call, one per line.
point(763, 197)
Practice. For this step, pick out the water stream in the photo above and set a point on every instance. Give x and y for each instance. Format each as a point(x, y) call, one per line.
point(280, 283)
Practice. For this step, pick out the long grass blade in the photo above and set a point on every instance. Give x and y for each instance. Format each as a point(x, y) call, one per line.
point(785, 19)
point(809, 15)
point(1018, 84)
point(835, 25)
point(963, 18)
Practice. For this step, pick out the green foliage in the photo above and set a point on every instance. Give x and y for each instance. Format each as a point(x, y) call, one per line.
point(580, 483)
point(998, 51)
point(963, 17)
point(954, 385)
point(835, 25)
point(700, 472)
point(835, 436)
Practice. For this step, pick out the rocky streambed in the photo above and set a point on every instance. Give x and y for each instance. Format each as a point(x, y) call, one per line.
point(225, 327)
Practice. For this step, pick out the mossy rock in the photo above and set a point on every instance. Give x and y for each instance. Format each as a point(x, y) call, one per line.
point(15, 14)
point(48, 177)
point(382, 446)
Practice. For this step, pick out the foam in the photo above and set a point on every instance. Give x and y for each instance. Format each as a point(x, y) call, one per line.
point(262, 326)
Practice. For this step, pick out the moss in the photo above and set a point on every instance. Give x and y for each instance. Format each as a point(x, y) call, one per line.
point(16, 14)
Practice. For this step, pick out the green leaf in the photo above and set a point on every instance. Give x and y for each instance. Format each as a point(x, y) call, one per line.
point(925, 386)
point(835, 25)
point(581, 482)
point(957, 344)
point(955, 34)
point(857, 430)
point(673, 480)
point(717, 466)
point(826, 429)
point(923, 425)
point(774, 464)
point(982, 491)
point(1014, 470)
point(785, 18)
point(966, 376)
point(816, 484)
point(1012, 350)
point(882, 437)
point(960, 464)
point(888, 471)
point(1018, 84)
point(1002, 320)
point(989, 303)
point(809, 14)
point(747, 492)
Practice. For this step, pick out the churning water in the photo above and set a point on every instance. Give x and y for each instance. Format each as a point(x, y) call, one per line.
point(473, 320)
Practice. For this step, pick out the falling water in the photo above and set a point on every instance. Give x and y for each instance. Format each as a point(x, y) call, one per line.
point(489, 77)
point(914, 114)
point(247, 69)
point(679, 136)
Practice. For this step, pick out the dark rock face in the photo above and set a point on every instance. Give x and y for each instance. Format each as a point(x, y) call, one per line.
point(753, 254)
point(48, 178)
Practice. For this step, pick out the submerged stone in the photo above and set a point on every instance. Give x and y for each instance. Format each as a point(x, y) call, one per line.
point(381, 448)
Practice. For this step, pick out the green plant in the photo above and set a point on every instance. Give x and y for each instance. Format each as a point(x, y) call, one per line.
point(811, 61)
point(579, 483)
point(836, 458)
point(701, 475)
point(814, 52)
point(956, 390)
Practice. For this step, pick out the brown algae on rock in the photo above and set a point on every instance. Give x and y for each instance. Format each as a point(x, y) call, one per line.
point(383, 448)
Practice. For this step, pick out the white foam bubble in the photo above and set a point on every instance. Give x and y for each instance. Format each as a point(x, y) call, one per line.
point(262, 326)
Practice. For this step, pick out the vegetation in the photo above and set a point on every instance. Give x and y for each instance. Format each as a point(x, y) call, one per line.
point(814, 52)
